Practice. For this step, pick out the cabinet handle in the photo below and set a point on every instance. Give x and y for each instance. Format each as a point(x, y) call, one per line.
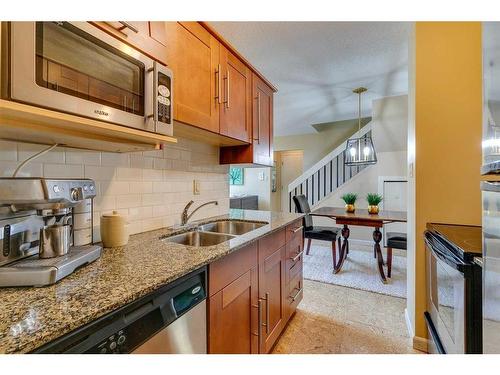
point(218, 95)
point(129, 26)
point(297, 229)
point(296, 294)
point(259, 319)
point(258, 119)
point(267, 313)
point(227, 83)
point(294, 259)
point(259, 330)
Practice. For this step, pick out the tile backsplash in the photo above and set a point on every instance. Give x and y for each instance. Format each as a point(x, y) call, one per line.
point(151, 188)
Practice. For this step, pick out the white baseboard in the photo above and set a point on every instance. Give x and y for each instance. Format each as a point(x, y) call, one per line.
point(408, 324)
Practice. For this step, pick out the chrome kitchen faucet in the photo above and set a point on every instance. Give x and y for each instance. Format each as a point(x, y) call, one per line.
point(185, 217)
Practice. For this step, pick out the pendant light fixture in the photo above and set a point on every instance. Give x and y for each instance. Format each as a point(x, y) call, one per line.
point(360, 151)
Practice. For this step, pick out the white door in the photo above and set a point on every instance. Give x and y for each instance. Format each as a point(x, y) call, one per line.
point(394, 192)
point(291, 168)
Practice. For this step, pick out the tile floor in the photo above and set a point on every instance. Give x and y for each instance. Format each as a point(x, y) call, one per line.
point(336, 319)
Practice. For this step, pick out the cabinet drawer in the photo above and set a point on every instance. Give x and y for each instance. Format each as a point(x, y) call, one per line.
point(224, 271)
point(270, 243)
point(295, 291)
point(295, 271)
point(294, 230)
point(294, 251)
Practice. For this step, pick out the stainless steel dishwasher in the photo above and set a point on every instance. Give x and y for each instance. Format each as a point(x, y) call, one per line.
point(170, 320)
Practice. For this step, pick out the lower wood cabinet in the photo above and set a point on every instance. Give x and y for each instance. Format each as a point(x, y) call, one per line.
point(254, 291)
point(271, 293)
point(233, 326)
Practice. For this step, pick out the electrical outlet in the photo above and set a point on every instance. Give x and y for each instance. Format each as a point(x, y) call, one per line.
point(196, 187)
point(261, 176)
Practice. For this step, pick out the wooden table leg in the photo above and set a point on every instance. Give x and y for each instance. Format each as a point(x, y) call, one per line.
point(377, 237)
point(343, 250)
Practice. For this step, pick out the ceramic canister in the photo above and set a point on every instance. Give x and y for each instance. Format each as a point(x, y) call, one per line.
point(114, 230)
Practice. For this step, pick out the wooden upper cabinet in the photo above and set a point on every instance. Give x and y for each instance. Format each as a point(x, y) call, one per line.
point(193, 56)
point(262, 122)
point(261, 149)
point(136, 34)
point(235, 111)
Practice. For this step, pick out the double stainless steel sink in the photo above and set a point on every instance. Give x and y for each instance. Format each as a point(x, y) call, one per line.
point(214, 233)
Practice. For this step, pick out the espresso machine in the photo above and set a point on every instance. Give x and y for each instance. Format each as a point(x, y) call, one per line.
point(36, 229)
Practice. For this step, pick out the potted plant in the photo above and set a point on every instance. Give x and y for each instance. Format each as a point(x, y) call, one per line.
point(349, 199)
point(373, 202)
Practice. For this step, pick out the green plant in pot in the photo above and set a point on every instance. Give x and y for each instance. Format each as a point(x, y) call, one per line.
point(349, 199)
point(373, 202)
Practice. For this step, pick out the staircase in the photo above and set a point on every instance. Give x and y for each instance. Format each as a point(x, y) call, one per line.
point(327, 175)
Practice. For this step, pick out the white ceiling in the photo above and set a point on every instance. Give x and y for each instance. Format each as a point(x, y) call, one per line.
point(315, 65)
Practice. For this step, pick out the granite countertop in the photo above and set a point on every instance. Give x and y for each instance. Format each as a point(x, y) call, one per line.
point(32, 317)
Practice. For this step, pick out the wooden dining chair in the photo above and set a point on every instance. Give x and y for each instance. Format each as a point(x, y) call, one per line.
point(395, 240)
point(312, 232)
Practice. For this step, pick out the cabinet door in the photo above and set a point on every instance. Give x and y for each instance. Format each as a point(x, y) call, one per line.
point(262, 122)
point(271, 295)
point(233, 317)
point(138, 35)
point(235, 111)
point(193, 56)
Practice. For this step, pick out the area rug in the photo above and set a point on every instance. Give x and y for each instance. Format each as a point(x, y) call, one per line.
point(359, 270)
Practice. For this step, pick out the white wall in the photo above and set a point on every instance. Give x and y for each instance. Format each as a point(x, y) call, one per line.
point(389, 132)
point(253, 185)
point(317, 145)
point(151, 188)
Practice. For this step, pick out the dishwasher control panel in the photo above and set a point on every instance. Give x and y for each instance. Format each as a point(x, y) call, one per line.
point(113, 344)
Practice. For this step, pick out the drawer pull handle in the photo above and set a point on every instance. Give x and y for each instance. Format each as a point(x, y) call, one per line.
point(296, 257)
point(296, 294)
point(296, 229)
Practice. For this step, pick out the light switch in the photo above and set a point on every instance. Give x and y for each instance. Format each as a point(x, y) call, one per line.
point(261, 176)
point(196, 187)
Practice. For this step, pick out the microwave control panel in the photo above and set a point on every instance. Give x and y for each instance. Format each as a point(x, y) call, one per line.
point(164, 98)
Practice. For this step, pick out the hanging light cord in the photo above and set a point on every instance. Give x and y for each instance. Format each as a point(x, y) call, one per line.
point(359, 112)
point(44, 151)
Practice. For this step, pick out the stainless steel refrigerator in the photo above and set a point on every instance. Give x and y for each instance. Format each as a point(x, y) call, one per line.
point(490, 187)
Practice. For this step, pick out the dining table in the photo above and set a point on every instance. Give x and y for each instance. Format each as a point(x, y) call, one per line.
point(360, 217)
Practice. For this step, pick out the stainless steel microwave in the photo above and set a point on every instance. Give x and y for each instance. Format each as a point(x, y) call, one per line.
point(76, 68)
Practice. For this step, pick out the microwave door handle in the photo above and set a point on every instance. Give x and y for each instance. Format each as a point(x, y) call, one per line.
point(154, 98)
